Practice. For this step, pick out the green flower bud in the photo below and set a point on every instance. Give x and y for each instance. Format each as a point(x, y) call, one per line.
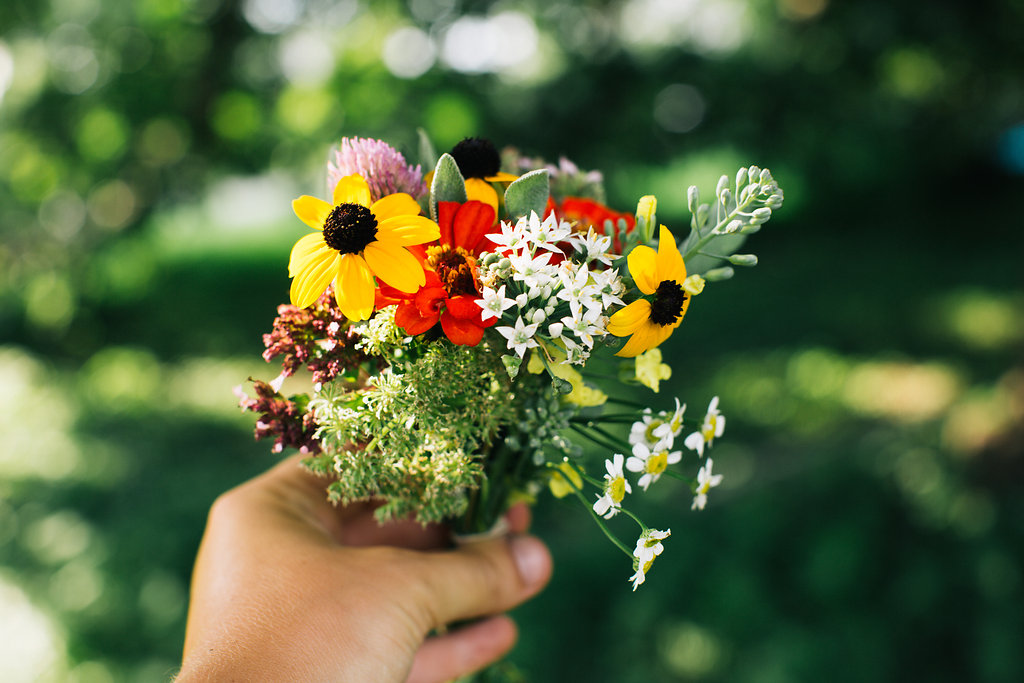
point(741, 179)
point(693, 198)
point(719, 274)
point(561, 386)
point(750, 229)
point(743, 259)
point(723, 185)
point(760, 216)
point(512, 364)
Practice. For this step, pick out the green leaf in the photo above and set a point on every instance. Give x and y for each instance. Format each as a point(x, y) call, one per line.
point(528, 193)
point(428, 155)
point(448, 184)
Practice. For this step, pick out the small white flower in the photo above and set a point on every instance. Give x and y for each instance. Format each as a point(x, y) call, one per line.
point(547, 233)
point(609, 285)
point(494, 303)
point(705, 482)
point(533, 271)
point(615, 488)
point(713, 426)
point(658, 432)
point(511, 237)
point(593, 246)
point(555, 330)
point(648, 547)
point(519, 337)
point(333, 328)
point(585, 326)
point(651, 462)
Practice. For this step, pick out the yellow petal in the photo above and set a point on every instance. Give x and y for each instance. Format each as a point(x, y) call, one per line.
point(395, 265)
point(354, 287)
point(643, 264)
point(670, 261)
point(642, 340)
point(311, 282)
point(481, 191)
point(312, 211)
point(625, 320)
point(406, 230)
point(501, 177)
point(352, 189)
point(306, 249)
point(398, 204)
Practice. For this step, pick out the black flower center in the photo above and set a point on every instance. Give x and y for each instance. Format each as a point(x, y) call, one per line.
point(349, 228)
point(454, 267)
point(476, 158)
point(669, 303)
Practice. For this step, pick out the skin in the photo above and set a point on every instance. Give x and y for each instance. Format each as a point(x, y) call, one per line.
point(288, 587)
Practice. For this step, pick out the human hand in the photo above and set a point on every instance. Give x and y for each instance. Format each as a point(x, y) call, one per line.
point(288, 587)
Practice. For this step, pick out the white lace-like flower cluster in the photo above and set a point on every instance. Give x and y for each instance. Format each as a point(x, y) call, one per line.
point(549, 283)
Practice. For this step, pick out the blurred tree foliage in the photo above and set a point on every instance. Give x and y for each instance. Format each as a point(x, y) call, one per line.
point(148, 153)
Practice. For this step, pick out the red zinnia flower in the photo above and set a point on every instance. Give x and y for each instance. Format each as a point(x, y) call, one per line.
point(587, 213)
point(452, 290)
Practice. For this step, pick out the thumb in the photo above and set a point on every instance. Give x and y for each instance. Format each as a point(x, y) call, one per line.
point(481, 578)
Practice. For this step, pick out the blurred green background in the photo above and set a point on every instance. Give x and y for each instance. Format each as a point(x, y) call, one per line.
point(870, 524)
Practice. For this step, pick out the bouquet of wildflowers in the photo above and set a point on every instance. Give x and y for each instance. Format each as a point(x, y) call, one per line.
point(453, 323)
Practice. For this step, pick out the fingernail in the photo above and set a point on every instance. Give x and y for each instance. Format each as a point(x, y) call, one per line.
point(531, 558)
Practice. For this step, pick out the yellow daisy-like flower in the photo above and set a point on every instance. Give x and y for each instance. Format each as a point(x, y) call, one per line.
point(355, 241)
point(659, 274)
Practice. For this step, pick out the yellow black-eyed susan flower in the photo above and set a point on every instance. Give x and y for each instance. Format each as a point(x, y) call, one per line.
point(652, 321)
point(357, 239)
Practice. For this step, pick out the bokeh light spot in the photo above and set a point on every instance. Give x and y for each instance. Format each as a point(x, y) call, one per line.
point(162, 141)
point(304, 111)
point(1011, 148)
point(119, 378)
point(272, 16)
point(409, 52)
point(58, 537)
point(112, 205)
point(101, 135)
point(679, 108)
point(6, 70)
point(31, 646)
point(449, 117)
point(690, 650)
point(62, 214)
point(912, 73)
point(49, 301)
point(236, 115)
point(73, 57)
point(306, 58)
point(801, 10)
point(76, 586)
point(904, 391)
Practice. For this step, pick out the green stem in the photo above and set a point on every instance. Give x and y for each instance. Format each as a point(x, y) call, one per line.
point(713, 233)
point(590, 508)
point(611, 437)
point(587, 435)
